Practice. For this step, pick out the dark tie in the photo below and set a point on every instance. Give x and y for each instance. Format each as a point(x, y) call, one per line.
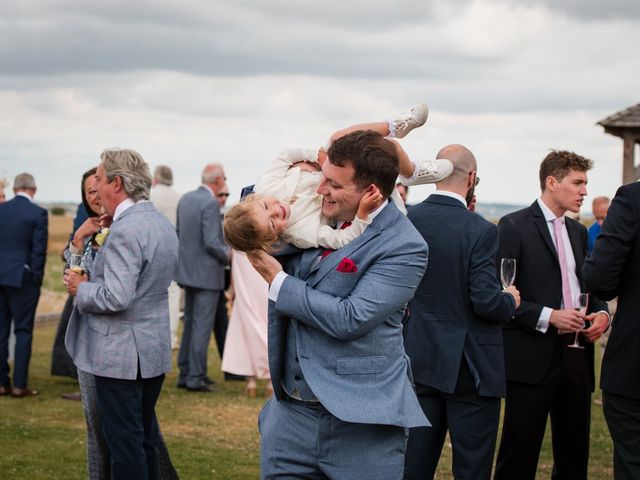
point(328, 251)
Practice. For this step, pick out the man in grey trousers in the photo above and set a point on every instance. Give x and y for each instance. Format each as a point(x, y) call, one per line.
point(203, 255)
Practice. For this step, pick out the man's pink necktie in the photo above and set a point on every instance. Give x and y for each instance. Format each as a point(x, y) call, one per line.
point(562, 259)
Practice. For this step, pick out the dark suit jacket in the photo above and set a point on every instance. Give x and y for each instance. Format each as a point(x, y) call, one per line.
point(524, 235)
point(458, 305)
point(613, 270)
point(23, 241)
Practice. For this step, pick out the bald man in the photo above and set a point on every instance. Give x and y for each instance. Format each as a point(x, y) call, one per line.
point(453, 335)
point(202, 257)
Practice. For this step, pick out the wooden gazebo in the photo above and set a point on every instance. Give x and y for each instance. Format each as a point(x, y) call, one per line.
point(626, 125)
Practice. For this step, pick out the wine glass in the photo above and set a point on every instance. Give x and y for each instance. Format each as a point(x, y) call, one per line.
point(507, 271)
point(580, 305)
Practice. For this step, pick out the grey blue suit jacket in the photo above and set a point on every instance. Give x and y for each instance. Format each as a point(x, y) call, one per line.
point(203, 253)
point(459, 305)
point(349, 323)
point(122, 314)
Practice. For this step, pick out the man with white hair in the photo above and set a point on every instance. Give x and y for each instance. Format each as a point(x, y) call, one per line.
point(166, 201)
point(119, 331)
point(23, 251)
point(203, 255)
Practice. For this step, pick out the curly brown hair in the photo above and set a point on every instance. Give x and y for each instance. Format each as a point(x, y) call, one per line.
point(559, 163)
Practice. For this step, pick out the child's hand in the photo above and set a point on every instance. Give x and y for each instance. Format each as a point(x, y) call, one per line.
point(370, 201)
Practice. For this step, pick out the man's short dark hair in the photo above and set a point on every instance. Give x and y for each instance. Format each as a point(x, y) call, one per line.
point(372, 157)
point(558, 164)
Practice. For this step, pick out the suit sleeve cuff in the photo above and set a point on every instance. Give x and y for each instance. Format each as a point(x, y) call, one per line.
point(274, 289)
point(543, 320)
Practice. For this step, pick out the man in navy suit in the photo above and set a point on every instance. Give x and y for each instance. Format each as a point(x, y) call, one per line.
point(23, 251)
point(544, 375)
point(452, 334)
point(614, 270)
point(342, 382)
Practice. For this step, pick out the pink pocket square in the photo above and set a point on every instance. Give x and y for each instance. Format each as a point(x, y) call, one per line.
point(347, 266)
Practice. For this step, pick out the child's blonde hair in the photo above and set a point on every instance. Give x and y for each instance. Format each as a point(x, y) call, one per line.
point(241, 231)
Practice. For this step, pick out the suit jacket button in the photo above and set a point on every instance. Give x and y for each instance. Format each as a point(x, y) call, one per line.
point(297, 378)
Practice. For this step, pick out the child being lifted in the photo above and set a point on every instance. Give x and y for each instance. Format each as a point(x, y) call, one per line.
point(286, 205)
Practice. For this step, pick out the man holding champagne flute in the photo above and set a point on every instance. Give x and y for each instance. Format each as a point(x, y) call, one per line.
point(544, 375)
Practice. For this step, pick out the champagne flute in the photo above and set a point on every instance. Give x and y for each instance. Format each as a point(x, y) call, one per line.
point(507, 271)
point(580, 304)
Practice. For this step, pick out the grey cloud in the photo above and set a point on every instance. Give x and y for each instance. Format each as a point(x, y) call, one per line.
point(244, 38)
point(590, 9)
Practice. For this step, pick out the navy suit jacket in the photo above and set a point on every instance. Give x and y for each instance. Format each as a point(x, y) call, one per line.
point(459, 305)
point(23, 241)
point(524, 235)
point(613, 269)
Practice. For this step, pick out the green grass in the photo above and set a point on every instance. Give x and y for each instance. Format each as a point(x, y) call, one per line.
point(212, 436)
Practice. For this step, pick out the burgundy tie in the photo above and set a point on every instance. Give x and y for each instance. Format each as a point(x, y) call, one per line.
point(328, 251)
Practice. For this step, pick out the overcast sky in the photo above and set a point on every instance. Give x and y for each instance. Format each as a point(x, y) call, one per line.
point(234, 82)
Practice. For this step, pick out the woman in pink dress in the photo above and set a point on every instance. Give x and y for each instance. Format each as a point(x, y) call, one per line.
point(245, 351)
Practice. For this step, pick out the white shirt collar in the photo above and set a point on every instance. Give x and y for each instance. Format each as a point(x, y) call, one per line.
point(446, 193)
point(549, 216)
point(122, 206)
point(372, 215)
point(25, 195)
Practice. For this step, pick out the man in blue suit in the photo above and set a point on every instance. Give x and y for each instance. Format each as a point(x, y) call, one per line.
point(453, 334)
point(342, 381)
point(23, 251)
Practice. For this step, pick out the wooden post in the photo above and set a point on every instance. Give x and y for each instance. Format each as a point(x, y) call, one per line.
point(629, 173)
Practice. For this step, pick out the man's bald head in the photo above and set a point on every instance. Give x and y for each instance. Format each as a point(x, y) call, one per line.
point(463, 161)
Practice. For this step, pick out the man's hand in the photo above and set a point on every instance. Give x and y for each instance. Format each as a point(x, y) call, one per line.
point(72, 279)
point(599, 323)
point(567, 320)
point(265, 264)
point(513, 291)
point(371, 200)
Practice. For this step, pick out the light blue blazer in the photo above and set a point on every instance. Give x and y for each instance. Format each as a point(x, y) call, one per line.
point(122, 314)
point(349, 339)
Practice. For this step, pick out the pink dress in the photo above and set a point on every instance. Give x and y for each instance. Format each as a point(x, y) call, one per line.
point(245, 350)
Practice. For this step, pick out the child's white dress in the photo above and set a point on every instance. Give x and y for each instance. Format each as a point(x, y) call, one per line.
point(297, 188)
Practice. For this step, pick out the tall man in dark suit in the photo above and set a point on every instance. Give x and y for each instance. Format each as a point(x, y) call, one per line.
point(544, 375)
point(452, 334)
point(203, 255)
point(614, 270)
point(23, 251)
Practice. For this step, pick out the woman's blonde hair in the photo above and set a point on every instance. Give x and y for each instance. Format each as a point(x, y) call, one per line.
point(241, 230)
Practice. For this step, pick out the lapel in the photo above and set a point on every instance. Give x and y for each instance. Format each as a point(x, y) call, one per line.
point(541, 224)
point(384, 220)
point(576, 247)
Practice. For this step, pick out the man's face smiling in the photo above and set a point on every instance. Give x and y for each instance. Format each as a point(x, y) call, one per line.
point(340, 194)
